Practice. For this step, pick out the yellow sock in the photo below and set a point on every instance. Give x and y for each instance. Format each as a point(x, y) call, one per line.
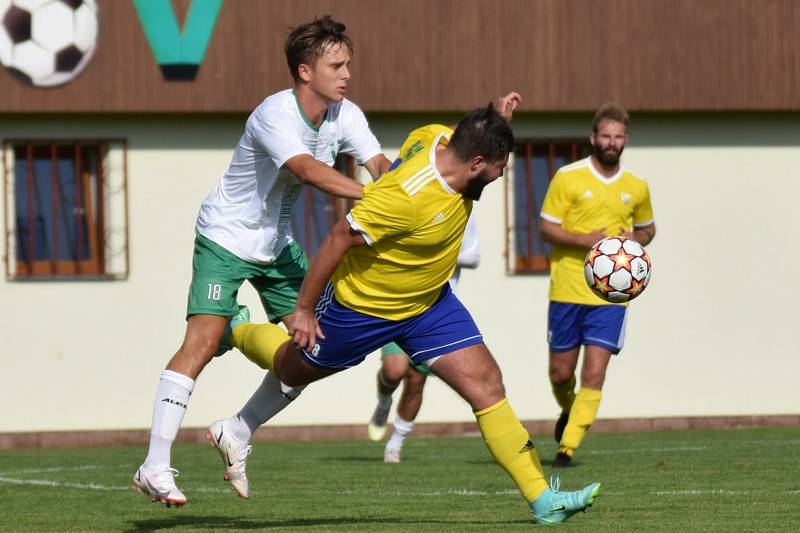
point(259, 342)
point(511, 447)
point(581, 417)
point(565, 394)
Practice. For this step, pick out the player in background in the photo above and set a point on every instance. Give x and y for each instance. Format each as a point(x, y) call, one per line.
point(396, 368)
point(585, 202)
point(381, 275)
point(243, 229)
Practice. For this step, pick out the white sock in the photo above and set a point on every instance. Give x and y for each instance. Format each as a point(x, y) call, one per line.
point(172, 397)
point(269, 399)
point(401, 430)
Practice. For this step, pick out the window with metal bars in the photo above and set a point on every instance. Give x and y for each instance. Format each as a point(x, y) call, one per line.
point(316, 211)
point(66, 209)
point(535, 163)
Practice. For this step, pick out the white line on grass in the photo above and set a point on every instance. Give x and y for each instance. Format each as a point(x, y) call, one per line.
point(57, 484)
point(49, 470)
point(645, 450)
point(90, 486)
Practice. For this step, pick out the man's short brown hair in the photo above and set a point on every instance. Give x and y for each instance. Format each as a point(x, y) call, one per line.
point(308, 42)
point(610, 111)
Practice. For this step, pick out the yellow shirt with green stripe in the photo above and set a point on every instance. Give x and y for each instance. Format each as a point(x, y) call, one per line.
point(582, 200)
point(413, 223)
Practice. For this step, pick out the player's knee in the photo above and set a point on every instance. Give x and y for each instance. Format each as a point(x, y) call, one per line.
point(560, 375)
point(392, 375)
point(199, 349)
point(489, 393)
point(593, 379)
point(491, 386)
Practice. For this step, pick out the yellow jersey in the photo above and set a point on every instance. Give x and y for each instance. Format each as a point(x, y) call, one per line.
point(582, 200)
point(413, 223)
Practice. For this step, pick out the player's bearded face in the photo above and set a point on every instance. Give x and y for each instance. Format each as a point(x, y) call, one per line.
point(609, 142)
point(476, 184)
point(489, 173)
point(608, 155)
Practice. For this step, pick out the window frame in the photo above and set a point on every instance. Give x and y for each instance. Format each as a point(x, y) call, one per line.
point(95, 267)
point(531, 264)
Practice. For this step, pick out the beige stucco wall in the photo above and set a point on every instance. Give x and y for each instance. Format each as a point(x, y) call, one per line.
point(713, 335)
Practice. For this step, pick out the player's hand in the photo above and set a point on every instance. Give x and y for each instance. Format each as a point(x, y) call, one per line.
point(506, 105)
point(627, 235)
point(305, 329)
point(590, 239)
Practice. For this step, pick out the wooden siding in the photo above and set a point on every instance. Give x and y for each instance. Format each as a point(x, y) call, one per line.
point(451, 55)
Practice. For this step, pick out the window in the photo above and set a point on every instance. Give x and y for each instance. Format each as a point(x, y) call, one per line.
point(535, 162)
point(316, 212)
point(65, 209)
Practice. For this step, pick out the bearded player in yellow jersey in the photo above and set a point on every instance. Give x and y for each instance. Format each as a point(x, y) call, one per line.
point(585, 202)
point(381, 275)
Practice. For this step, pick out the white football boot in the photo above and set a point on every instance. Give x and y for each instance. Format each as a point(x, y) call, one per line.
point(158, 482)
point(391, 455)
point(234, 456)
point(376, 428)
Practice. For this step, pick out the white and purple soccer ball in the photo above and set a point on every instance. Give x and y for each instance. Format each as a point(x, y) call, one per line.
point(47, 42)
point(617, 269)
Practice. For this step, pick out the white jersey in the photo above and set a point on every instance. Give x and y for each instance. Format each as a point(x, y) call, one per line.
point(249, 211)
point(470, 253)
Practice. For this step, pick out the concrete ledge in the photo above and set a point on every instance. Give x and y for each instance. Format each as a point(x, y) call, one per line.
point(82, 439)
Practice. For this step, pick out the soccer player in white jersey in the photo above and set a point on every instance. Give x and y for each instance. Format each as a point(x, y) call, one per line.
point(243, 233)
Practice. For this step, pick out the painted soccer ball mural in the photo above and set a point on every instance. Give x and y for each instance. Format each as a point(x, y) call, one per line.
point(47, 42)
point(617, 269)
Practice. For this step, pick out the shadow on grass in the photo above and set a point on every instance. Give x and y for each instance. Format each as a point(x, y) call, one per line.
point(549, 462)
point(231, 523)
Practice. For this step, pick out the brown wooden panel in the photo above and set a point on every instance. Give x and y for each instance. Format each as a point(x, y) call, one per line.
point(451, 55)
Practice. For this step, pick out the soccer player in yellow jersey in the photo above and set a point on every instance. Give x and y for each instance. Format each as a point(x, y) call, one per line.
point(381, 275)
point(395, 366)
point(587, 201)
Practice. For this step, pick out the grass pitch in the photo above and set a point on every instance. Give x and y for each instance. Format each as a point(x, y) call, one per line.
point(732, 480)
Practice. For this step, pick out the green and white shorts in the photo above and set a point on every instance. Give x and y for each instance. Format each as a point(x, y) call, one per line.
point(392, 349)
point(217, 275)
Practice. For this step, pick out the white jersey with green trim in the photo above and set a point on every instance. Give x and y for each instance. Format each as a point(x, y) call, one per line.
point(249, 211)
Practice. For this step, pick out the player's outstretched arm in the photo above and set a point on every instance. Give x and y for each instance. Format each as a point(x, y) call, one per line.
point(304, 328)
point(317, 174)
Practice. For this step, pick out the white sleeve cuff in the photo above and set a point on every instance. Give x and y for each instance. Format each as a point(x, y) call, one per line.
point(550, 218)
point(370, 155)
point(356, 227)
point(288, 155)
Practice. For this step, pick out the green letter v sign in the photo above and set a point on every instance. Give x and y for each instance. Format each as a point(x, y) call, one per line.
point(178, 54)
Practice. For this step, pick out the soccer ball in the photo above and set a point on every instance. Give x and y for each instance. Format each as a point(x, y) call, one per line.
point(47, 42)
point(617, 269)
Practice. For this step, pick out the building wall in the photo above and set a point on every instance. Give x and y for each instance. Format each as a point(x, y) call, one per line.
point(417, 55)
point(713, 335)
